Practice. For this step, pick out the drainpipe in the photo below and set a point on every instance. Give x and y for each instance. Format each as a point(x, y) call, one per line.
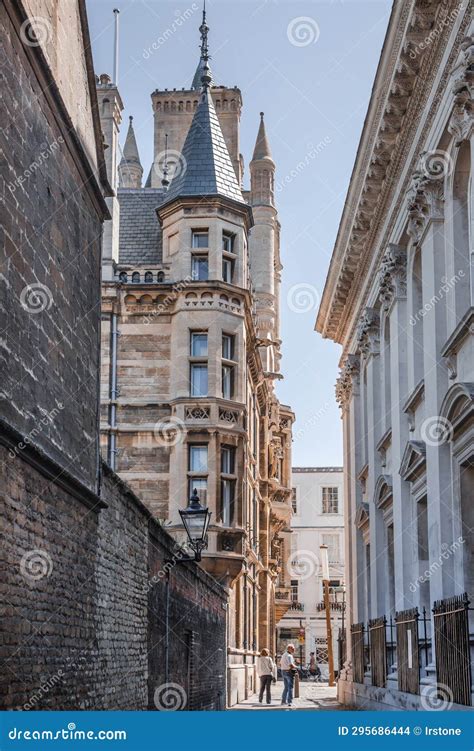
point(167, 628)
point(113, 391)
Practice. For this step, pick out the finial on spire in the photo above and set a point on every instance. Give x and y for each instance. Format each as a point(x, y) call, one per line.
point(130, 119)
point(165, 182)
point(206, 78)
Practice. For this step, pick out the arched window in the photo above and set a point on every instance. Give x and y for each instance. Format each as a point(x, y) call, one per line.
point(459, 278)
point(160, 277)
point(136, 277)
point(387, 390)
point(123, 276)
point(416, 317)
point(148, 277)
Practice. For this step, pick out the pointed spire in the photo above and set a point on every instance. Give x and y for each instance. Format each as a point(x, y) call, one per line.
point(130, 168)
point(206, 165)
point(130, 150)
point(204, 59)
point(262, 147)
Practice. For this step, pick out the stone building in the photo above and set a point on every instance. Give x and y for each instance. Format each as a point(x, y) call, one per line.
point(399, 299)
point(93, 616)
point(191, 347)
point(317, 519)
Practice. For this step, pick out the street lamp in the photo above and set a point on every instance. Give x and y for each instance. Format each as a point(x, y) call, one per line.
point(325, 571)
point(196, 520)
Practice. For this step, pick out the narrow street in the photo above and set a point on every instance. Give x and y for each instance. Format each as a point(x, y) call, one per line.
point(312, 696)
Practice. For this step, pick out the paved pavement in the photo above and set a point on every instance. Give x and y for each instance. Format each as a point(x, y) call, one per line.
point(312, 696)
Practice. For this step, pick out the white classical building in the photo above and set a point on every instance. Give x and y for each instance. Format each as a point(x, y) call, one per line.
point(399, 298)
point(318, 519)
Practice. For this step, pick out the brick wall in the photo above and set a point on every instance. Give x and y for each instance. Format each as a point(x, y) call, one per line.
point(85, 624)
point(49, 355)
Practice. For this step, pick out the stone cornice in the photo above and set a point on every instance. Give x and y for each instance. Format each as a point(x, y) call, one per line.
point(402, 87)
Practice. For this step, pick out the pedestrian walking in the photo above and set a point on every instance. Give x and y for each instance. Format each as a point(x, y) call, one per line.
point(314, 670)
point(288, 671)
point(267, 672)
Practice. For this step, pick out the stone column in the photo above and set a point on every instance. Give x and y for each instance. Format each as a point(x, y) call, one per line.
point(348, 396)
point(426, 211)
point(393, 294)
point(369, 346)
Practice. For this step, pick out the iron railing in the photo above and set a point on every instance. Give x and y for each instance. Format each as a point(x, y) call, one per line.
point(378, 651)
point(358, 652)
point(452, 650)
point(408, 651)
point(405, 644)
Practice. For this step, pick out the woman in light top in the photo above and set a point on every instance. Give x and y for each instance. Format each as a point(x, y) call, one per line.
point(267, 672)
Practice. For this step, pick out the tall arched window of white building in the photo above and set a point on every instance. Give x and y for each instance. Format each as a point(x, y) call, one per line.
point(459, 255)
point(415, 329)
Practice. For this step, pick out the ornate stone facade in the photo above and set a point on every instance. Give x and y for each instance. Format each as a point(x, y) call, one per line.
point(191, 352)
point(403, 311)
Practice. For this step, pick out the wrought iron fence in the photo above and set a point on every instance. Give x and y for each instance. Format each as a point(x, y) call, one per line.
point(358, 652)
point(451, 636)
point(378, 651)
point(408, 651)
point(341, 648)
point(406, 642)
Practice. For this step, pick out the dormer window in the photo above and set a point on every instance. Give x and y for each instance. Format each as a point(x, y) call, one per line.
point(148, 277)
point(136, 277)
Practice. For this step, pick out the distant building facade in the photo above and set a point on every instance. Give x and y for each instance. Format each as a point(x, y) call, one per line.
point(191, 346)
point(317, 519)
point(399, 299)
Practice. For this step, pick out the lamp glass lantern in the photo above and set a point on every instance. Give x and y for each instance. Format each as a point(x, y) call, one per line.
point(196, 520)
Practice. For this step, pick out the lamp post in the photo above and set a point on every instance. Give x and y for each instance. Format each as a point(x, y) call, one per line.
point(196, 520)
point(325, 569)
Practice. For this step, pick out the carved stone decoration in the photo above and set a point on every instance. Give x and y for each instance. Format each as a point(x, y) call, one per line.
point(348, 378)
point(426, 193)
point(452, 366)
point(227, 415)
point(368, 333)
point(462, 117)
point(197, 413)
point(393, 275)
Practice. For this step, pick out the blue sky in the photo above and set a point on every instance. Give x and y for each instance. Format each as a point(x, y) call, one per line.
point(310, 67)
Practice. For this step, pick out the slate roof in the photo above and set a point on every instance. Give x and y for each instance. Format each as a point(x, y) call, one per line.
point(197, 80)
point(140, 240)
point(208, 169)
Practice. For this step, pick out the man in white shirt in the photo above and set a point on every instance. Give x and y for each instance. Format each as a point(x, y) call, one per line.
point(288, 670)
